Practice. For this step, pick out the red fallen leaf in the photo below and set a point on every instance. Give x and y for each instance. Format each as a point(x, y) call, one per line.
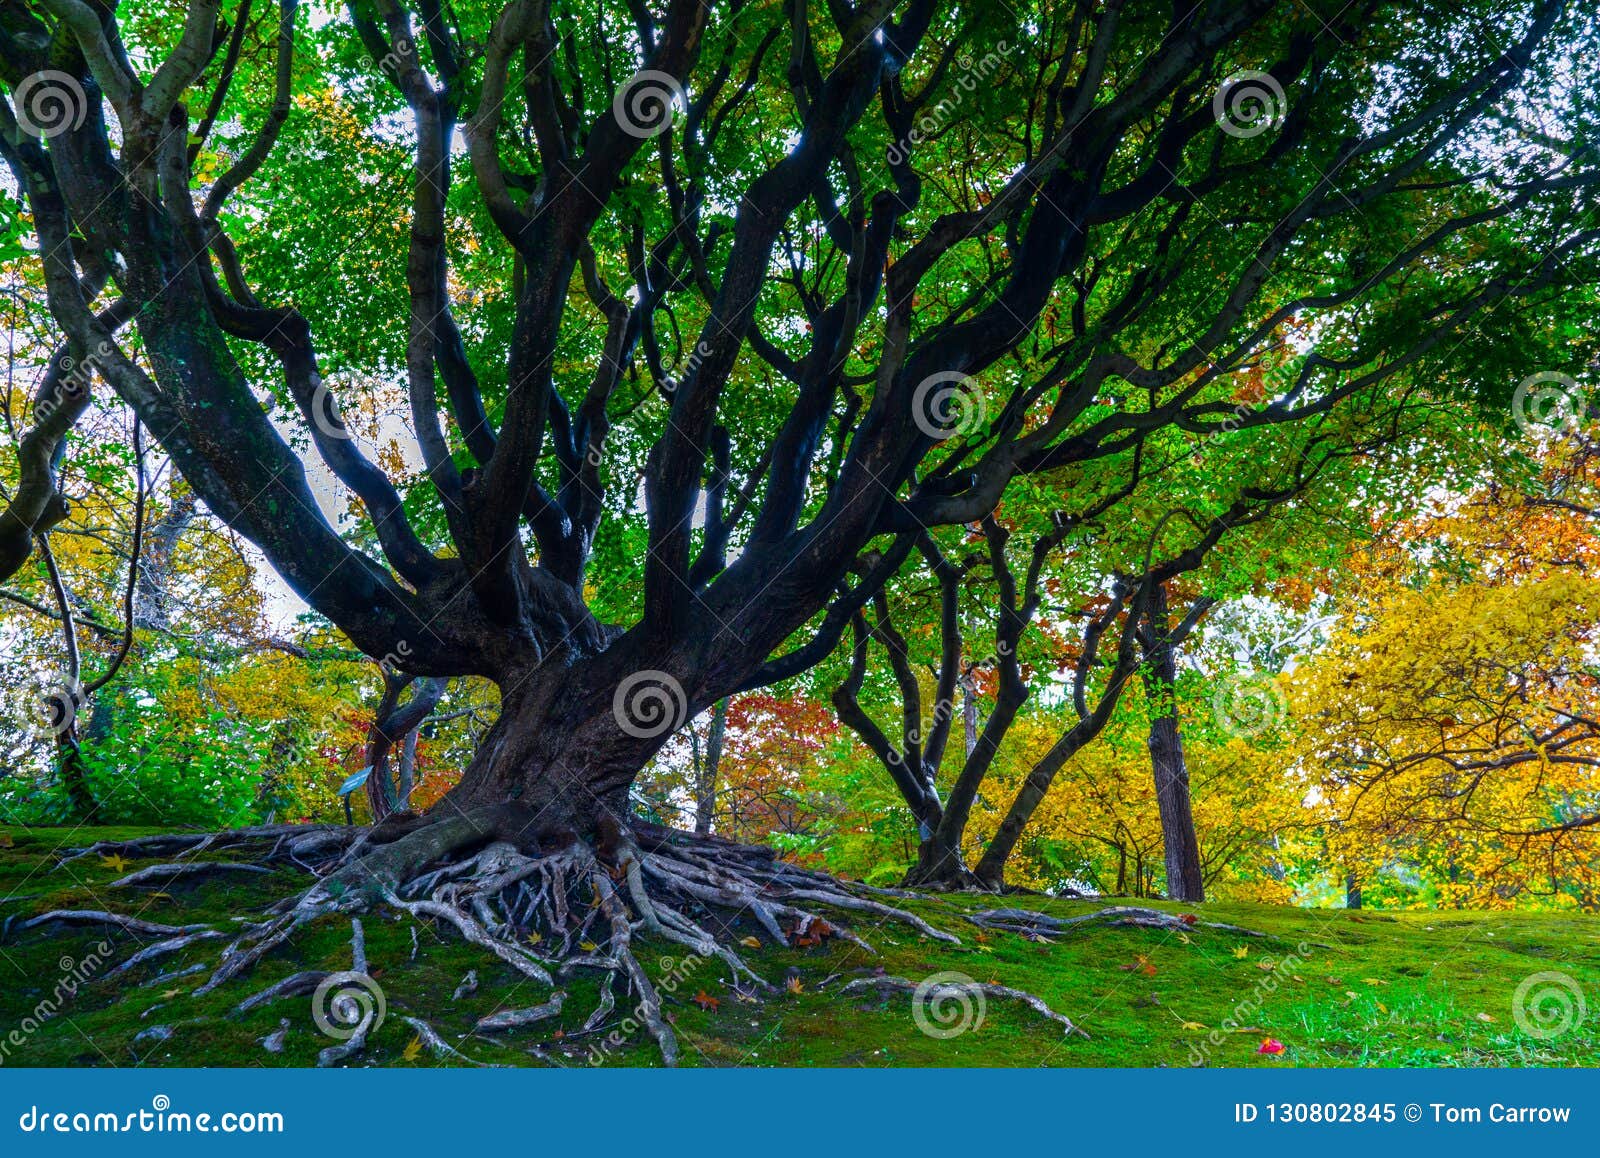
point(1271, 1045)
point(1188, 918)
point(705, 1001)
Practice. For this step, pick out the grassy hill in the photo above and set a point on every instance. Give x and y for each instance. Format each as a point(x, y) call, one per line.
point(1334, 987)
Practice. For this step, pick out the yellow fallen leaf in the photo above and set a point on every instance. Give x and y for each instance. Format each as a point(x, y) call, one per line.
point(169, 994)
point(413, 1049)
point(1194, 1026)
point(1184, 937)
point(115, 862)
point(535, 937)
point(1382, 1008)
point(1485, 1017)
point(588, 946)
point(1373, 981)
point(750, 942)
point(1242, 952)
point(796, 985)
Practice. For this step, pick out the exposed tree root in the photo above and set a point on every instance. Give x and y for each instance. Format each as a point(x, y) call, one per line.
point(544, 904)
point(165, 874)
point(933, 994)
point(1029, 923)
point(81, 918)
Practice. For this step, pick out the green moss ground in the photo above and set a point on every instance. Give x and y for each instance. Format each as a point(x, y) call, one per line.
point(1375, 989)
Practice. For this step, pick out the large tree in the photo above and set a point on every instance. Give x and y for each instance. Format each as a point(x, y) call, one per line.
point(750, 295)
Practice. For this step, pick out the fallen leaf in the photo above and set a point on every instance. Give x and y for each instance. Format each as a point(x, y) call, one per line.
point(169, 994)
point(1188, 918)
point(1270, 1045)
point(1486, 1017)
point(982, 938)
point(750, 942)
point(413, 1049)
point(796, 986)
point(116, 862)
point(1242, 952)
point(1373, 981)
point(1184, 937)
point(588, 946)
point(535, 937)
point(6, 841)
point(705, 1001)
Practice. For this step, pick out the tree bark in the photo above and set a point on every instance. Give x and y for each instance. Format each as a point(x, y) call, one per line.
point(706, 769)
point(1185, 881)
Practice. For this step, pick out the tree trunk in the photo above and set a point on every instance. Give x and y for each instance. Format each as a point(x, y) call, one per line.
point(1185, 881)
point(707, 765)
point(568, 745)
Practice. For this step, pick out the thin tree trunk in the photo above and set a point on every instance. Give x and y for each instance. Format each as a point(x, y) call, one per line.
point(969, 712)
point(706, 768)
point(1185, 880)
